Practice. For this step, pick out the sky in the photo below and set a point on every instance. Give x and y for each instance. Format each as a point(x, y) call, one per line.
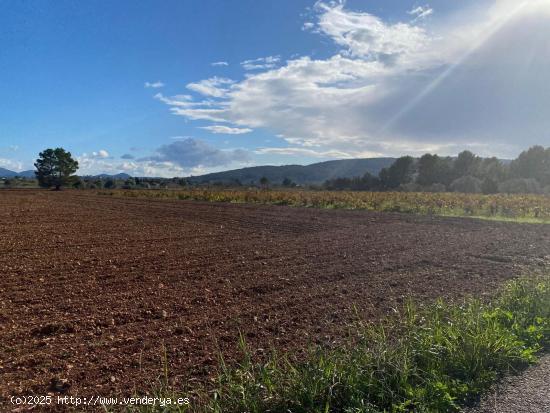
point(186, 87)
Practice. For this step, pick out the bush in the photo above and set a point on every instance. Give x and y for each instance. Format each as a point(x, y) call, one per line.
point(435, 188)
point(410, 187)
point(489, 186)
point(109, 184)
point(520, 186)
point(467, 185)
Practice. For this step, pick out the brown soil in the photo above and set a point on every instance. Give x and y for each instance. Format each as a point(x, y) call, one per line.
point(94, 289)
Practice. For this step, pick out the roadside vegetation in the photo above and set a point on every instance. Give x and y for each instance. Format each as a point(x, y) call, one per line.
point(522, 208)
point(427, 358)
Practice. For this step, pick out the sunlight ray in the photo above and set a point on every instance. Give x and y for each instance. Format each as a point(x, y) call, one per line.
point(496, 27)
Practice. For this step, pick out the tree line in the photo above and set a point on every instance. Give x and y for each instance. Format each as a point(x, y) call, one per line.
point(469, 173)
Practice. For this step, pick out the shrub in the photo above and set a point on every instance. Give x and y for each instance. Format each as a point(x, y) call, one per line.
point(466, 184)
point(520, 186)
point(489, 186)
point(410, 187)
point(435, 188)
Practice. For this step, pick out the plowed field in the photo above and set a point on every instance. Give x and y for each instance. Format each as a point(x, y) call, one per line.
point(94, 290)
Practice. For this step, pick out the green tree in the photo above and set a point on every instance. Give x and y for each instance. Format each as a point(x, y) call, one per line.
point(467, 184)
point(433, 169)
point(288, 183)
point(55, 168)
point(466, 164)
point(489, 186)
point(110, 184)
point(264, 182)
point(533, 163)
point(399, 173)
point(492, 169)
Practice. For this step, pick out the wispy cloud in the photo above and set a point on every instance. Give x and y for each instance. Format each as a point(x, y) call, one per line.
point(221, 129)
point(314, 153)
point(11, 164)
point(102, 153)
point(217, 64)
point(261, 63)
point(211, 87)
point(421, 12)
point(402, 87)
point(154, 85)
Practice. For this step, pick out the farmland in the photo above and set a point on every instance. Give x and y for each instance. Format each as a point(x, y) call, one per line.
point(96, 289)
point(502, 207)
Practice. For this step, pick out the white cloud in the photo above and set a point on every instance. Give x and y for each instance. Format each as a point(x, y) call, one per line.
point(421, 12)
point(221, 129)
point(102, 153)
point(154, 85)
point(478, 80)
point(261, 63)
point(11, 164)
point(219, 64)
point(314, 153)
point(367, 36)
point(211, 87)
point(93, 166)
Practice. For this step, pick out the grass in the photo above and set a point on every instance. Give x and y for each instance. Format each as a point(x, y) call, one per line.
point(502, 207)
point(432, 358)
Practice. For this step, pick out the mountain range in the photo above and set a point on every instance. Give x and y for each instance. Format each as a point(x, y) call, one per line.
point(313, 174)
point(316, 173)
point(6, 173)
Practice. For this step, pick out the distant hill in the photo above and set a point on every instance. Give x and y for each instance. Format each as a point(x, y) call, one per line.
point(6, 173)
point(316, 173)
point(107, 176)
point(27, 174)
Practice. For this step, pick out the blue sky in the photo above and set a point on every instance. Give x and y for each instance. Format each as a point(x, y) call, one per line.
point(186, 87)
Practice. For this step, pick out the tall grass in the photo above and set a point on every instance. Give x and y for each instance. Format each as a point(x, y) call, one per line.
point(433, 358)
point(524, 208)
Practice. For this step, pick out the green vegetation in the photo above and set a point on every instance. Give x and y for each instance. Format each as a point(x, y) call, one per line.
point(18, 182)
point(432, 358)
point(520, 208)
point(467, 173)
point(55, 168)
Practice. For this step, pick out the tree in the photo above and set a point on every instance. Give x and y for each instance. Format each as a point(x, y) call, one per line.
point(533, 163)
point(489, 186)
point(264, 182)
point(520, 186)
point(288, 183)
point(399, 173)
point(110, 184)
point(492, 169)
point(466, 184)
point(55, 168)
point(434, 170)
point(466, 164)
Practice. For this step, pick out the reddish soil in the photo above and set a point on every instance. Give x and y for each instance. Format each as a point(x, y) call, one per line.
point(93, 288)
